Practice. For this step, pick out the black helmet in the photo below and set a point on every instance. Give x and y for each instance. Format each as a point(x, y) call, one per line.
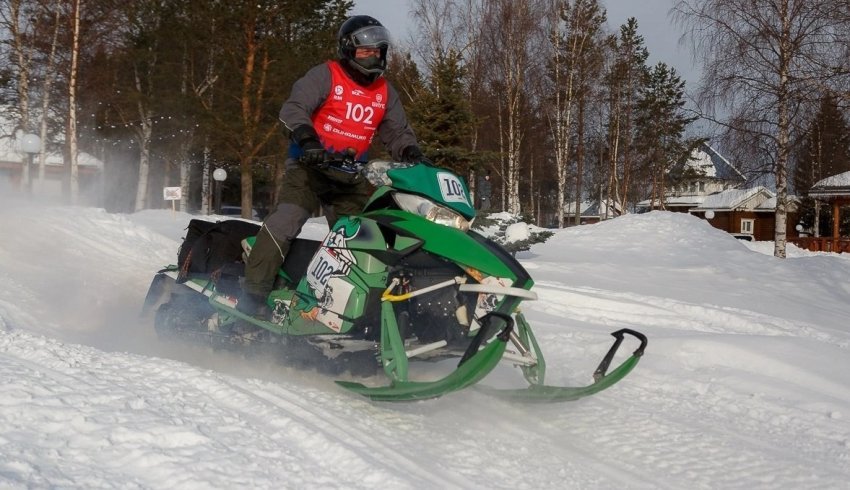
point(363, 31)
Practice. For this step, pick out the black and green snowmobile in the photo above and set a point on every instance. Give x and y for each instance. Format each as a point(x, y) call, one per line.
point(406, 280)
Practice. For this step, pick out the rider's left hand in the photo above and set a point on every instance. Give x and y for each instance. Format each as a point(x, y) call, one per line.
point(412, 154)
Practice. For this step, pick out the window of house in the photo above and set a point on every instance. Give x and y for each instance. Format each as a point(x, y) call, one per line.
point(702, 186)
point(747, 226)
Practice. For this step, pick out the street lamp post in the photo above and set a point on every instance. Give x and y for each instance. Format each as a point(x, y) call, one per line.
point(218, 175)
point(30, 144)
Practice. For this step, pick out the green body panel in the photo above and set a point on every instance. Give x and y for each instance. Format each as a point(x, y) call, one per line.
point(335, 291)
point(447, 242)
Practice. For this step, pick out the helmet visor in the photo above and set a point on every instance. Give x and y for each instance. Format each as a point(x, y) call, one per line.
point(371, 37)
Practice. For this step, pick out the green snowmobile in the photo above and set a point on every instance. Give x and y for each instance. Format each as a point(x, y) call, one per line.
point(405, 280)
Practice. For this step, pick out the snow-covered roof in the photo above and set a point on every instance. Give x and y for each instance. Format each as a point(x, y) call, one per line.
point(675, 201)
point(10, 149)
point(736, 199)
point(832, 186)
point(708, 162)
point(593, 208)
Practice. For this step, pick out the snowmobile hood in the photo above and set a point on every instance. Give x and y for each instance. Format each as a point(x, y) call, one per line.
point(438, 184)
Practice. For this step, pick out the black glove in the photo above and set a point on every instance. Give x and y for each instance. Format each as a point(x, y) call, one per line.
point(313, 153)
point(412, 154)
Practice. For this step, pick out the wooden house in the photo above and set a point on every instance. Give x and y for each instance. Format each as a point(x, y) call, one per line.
point(747, 213)
point(591, 212)
point(707, 172)
point(13, 160)
point(835, 191)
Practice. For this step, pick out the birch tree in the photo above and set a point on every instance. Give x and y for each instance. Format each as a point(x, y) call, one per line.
point(71, 127)
point(50, 75)
point(761, 61)
point(18, 18)
point(509, 31)
point(574, 24)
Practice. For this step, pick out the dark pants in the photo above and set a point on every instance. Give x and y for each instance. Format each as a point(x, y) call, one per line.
point(484, 204)
point(304, 190)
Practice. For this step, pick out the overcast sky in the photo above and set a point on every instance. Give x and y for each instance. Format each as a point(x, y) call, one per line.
point(654, 24)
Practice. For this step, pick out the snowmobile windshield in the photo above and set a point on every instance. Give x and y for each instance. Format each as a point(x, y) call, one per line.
point(440, 185)
point(431, 211)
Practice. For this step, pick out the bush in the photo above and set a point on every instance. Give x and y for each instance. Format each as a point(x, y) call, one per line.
point(510, 231)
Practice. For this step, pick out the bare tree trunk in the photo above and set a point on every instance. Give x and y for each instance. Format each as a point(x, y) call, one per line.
point(782, 137)
point(47, 88)
point(144, 133)
point(579, 157)
point(23, 59)
point(183, 157)
point(71, 131)
point(206, 175)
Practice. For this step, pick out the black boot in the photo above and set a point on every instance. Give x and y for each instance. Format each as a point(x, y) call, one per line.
point(252, 305)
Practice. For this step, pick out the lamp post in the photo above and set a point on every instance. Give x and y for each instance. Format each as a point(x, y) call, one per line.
point(218, 175)
point(30, 144)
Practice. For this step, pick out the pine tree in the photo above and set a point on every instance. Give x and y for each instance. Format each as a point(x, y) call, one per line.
point(661, 122)
point(825, 152)
point(626, 76)
point(442, 115)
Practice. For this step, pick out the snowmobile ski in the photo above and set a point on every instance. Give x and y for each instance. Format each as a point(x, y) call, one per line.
point(542, 393)
point(474, 365)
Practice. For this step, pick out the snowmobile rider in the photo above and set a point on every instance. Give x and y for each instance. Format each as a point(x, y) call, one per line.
point(335, 108)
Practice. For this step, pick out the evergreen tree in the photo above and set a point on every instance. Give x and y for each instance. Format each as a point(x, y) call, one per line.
point(826, 148)
point(626, 76)
point(442, 116)
point(661, 123)
point(825, 152)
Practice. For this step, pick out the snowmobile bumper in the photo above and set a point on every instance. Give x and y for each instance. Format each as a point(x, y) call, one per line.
point(543, 393)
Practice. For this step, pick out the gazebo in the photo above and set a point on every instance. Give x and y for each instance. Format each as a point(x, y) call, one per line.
point(835, 190)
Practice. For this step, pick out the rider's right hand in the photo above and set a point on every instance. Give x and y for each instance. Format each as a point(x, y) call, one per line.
point(314, 152)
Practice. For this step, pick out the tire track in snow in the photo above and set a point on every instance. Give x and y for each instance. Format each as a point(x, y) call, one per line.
point(619, 309)
point(317, 418)
point(582, 462)
point(692, 436)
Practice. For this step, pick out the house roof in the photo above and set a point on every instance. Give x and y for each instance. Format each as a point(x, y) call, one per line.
point(832, 186)
point(593, 208)
point(707, 161)
point(676, 201)
point(10, 149)
point(736, 199)
point(770, 204)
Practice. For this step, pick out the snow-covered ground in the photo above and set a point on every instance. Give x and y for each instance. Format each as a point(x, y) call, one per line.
point(744, 383)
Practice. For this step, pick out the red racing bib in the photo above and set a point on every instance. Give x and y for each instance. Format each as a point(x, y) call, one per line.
point(351, 114)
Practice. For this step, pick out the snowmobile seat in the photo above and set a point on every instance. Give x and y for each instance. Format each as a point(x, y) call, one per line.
point(213, 248)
